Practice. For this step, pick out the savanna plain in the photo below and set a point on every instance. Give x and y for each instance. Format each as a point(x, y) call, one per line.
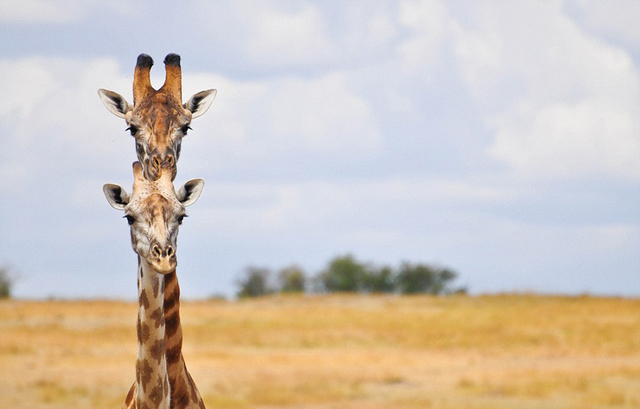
point(338, 351)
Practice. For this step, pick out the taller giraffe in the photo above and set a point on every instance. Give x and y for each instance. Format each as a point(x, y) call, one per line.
point(154, 211)
point(158, 119)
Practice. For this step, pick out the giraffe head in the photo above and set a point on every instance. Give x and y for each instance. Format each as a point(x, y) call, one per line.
point(158, 119)
point(154, 210)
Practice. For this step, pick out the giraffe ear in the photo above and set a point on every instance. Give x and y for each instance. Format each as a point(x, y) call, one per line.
point(115, 103)
point(190, 191)
point(117, 197)
point(199, 103)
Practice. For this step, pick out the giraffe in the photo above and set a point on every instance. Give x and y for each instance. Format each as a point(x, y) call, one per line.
point(158, 120)
point(154, 211)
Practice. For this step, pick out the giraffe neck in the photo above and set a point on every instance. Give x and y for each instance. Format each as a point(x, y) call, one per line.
point(152, 383)
point(184, 393)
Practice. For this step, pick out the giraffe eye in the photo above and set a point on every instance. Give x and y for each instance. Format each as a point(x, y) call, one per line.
point(130, 219)
point(133, 129)
point(185, 129)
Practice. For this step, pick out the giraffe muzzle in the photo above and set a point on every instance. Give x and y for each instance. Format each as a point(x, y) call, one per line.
point(163, 258)
point(157, 163)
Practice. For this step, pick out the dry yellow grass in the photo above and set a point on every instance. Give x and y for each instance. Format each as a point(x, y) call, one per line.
point(352, 352)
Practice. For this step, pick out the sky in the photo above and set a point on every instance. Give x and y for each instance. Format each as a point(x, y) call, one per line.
point(498, 139)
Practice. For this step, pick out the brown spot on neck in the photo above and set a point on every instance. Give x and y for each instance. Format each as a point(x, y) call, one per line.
point(158, 317)
point(143, 333)
point(157, 393)
point(157, 349)
point(174, 354)
point(143, 300)
point(156, 286)
point(172, 324)
point(143, 373)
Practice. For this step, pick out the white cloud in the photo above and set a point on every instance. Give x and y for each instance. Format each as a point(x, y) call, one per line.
point(430, 25)
point(615, 18)
point(53, 114)
point(286, 37)
point(380, 29)
point(263, 118)
point(363, 33)
point(480, 59)
point(567, 103)
point(59, 11)
point(322, 114)
point(325, 204)
point(542, 51)
point(570, 140)
point(26, 83)
point(562, 102)
point(271, 35)
point(41, 11)
point(268, 33)
point(58, 96)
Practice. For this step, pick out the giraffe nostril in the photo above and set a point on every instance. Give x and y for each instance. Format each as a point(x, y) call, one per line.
point(156, 162)
point(156, 251)
point(169, 160)
point(170, 252)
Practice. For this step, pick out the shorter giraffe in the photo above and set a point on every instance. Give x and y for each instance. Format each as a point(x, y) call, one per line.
point(158, 119)
point(154, 211)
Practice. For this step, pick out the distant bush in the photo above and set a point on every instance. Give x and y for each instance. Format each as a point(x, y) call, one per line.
point(7, 279)
point(343, 274)
point(346, 274)
point(255, 282)
point(292, 279)
point(379, 280)
point(422, 278)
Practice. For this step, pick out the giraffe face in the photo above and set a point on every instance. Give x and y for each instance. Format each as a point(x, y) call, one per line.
point(158, 125)
point(154, 212)
point(158, 120)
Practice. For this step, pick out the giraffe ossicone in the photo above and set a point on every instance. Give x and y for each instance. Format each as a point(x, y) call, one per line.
point(158, 120)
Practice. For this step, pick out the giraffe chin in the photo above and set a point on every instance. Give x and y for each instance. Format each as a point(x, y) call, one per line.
point(163, 266)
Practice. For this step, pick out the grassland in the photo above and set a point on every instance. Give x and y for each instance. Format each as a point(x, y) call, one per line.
point(352, 352)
